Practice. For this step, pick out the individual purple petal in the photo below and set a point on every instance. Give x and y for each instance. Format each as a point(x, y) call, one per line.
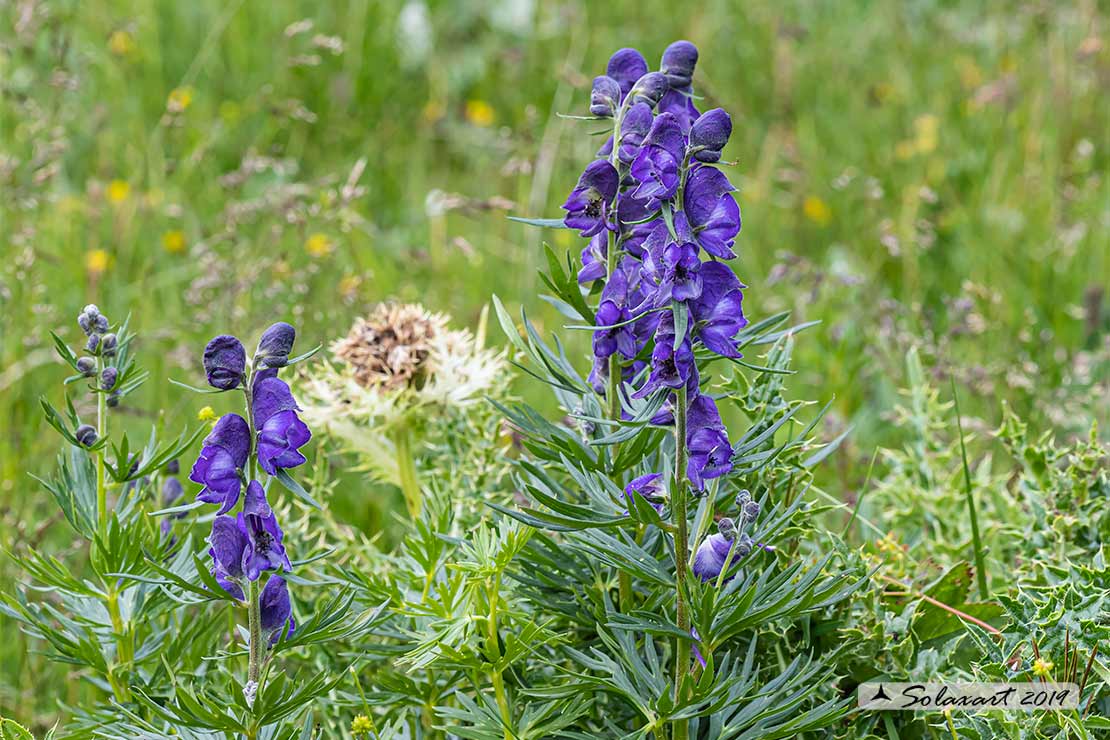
point(279, 441)
point(679, 60)
point(594, 258)
point(225, 361)
point(233, 589)
point(709, 134)
point(712, 211)
point(626, 66)
point(222, 456)
point(710, 557)
point(275, 609)
point(718, 313)
point(227, 542)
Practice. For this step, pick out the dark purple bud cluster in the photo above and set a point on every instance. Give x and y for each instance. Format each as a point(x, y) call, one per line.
point(713, 553)
point(246, 545)
point(660, 218)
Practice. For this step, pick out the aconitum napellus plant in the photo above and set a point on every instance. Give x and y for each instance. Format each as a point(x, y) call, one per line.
point(654, 489)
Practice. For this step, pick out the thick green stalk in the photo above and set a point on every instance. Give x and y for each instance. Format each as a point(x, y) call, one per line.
point(406, 470)
point(254, 623)
point(681, 552)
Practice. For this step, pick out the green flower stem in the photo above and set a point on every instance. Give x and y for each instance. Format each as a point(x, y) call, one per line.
point(681, 552)
point(102, 433)
point(254, 622)
point(406, 470)
point(494, 652)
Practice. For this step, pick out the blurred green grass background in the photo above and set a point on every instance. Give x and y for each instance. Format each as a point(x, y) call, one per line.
point(929, 174)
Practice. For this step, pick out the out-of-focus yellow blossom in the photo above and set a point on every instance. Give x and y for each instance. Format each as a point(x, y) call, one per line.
point(121, 44)
point(118, 191)
point(281, 269)
point(349, 285)
point(361, 725)
point(207, 414)
point(1043, 668)
point(816, 210)
point(432, 111)
point(319, 245)
point(925, 129)
point(179, 99)
point(174, 241)
point(96, 261)
point(479, 113)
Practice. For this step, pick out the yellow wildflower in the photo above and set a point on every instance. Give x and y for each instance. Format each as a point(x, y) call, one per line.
point(120, 43)
point(206, 414)
point(1043, 668)
point(319, 245)
point(816, 210)
point(118, 191)
point(174, 241)
point(925, 129)
point(361, 725)
point(479, 113)
point(180, 98)
point(281, 269)
point(96, 262)
point(349, 285)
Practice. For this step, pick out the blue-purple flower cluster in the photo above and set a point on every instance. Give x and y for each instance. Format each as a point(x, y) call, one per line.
point(660, 219)
point(249, 543)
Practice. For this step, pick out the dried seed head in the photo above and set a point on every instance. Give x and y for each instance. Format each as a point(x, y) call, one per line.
point(390, 348)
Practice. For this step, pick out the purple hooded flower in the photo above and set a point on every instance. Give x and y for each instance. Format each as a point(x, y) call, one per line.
point(635, 125)
point(636, 223)
point(649, 487)
point(710, 557)
point(657, 165)
point(227, 543)
point(712, 212)
point(709, 134)
point(605, 96)
point(221, 459)
point(679, 60)
point(610, 340)
point(275, 345)
point(680, 104)
point(626, 66)
point(649, 89)
point(263, 550)
point(594, 259)
point(588, 205)
point(710, 453)
point(717, 313)
point(681, 274)
point(281, 433)
point(275, 610)
point(225, 361)
point(670, 368)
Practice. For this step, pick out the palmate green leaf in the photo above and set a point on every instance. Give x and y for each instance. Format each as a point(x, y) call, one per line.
point(74, 490)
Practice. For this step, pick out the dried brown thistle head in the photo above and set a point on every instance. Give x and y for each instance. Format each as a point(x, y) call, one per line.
point(390, 347)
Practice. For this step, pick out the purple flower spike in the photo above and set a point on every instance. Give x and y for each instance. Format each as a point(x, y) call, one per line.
point(709, 134)
point(222, 457)
point(649, 89)
point(679, 60)
point(281, 433)
point(264, 550)
point(656, 167)
point(710, 557)
point(649, 487)
point(227, 543)
point(590, 202)
point(711, 210)
point(605, 96)
point(276, 610)
point(707, 442)
point(718, 313)
point(626, 66)
point(275, 345)
point(225, 360)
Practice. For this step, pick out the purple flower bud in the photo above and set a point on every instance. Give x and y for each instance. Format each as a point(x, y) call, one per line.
point(173, 467)
point(91, 320)
point(108, 378)
point(605, 96)
point(649, 89)
point(276, 609)
point(221, 459)
point(710, 557)
point(108, 345)
point(113, 399)
point(86, 435)
point(225, 361)
point(709, 134)
point(275, 345)
point(750, 511)
point(264, 550)
point(93, 345)
point(589, 204)
point(679, 60)
point(727, 528)
point(626, 66)
point(86, 366)
point(281, 433)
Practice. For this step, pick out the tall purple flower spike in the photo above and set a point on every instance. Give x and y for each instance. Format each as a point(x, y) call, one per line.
point(221, 459)
point(281, 433)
